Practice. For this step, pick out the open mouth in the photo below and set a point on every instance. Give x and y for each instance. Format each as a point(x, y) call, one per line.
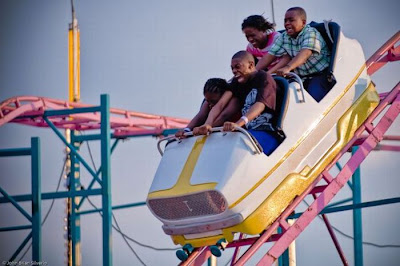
point(289, 30)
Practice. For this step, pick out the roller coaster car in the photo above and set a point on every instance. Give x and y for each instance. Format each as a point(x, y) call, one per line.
point(207, 188)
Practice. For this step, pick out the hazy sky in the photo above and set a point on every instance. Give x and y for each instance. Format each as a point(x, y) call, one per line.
point(154, 56)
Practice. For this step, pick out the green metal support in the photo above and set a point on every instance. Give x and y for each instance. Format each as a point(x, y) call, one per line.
point(124, 206)
point(106, 180)
point(72, 148)
point(283, 260)
point(23, 244)
point(35, 196)
point(36, 201)
point(357, 216)
point(54, 195)
point(74, 218)
point(97, 173)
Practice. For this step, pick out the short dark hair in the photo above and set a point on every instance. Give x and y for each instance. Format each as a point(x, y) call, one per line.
point(258, 22)
point(215, 85)
point(244, 55)
point(300, 11)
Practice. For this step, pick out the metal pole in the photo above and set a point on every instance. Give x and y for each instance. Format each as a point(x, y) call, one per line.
point(106, 179)
point(273, 12)
point(357, 216)
point(292, 247)
point(75, 221)
point(36, 201)
point(73, 252)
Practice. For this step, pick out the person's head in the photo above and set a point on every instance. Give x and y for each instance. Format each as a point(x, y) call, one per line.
point(295, 20)
point(256, 29)
point(213, 90)
point(243, 66)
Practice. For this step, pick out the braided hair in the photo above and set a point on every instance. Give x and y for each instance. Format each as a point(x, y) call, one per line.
point(215, 85)
point(258, 22)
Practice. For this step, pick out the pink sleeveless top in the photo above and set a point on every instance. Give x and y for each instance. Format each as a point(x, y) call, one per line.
point(259, 53)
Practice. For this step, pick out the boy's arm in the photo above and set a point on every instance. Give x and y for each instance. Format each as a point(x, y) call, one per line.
point(254, 111)
point(265, 61)
point(285, 59)
point(200, 117)
point(197, 120)
point(230, 110)
point(298, 60)
point(215, 111)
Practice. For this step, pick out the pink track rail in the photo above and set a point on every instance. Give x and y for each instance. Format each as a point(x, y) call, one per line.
point(29, 110)
point(323, 194)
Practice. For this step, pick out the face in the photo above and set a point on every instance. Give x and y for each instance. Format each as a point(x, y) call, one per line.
point(212, 98)
point(256, 37)
point(293, 23)
point(242, 69)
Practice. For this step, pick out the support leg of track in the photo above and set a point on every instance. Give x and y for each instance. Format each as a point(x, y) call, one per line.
point(36, 201)
point(357, 217)
point(106, 180)
point(333, 236)
point(237, 250)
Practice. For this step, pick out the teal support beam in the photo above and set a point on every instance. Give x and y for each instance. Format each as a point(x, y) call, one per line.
point(283, 260)
point(106, 180)
point(340, 202)
point(124, 206)
point(73, 151)
point(54, 195)
point(92, 109)
point(168, 132)
point(357, 217)
point(97, 173)
point(15, 203)
point(15, 152)
point(340, 169)
point(15, 228)
point(36, 201)
point(23, 244)
point(353, 206)
point(74, 218)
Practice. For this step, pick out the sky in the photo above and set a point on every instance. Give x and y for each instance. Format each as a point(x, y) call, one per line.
point(154, 57)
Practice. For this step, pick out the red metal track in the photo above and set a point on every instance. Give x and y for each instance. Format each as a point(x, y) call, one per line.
point(29, 110)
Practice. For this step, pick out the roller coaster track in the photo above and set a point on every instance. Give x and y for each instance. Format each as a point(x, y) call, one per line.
point(387, 110)
point(31, 110)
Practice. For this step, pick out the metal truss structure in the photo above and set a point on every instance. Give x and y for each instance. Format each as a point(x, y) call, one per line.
point(116, 124)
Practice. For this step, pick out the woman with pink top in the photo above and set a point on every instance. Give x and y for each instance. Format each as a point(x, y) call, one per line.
point(260, 34)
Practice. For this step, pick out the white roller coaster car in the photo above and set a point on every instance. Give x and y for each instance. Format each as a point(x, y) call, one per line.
point(209, 187)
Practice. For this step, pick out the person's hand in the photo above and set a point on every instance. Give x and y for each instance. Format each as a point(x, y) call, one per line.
point(229, 126)
point(202, 130)
point(180, 134)
point(283, 71)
